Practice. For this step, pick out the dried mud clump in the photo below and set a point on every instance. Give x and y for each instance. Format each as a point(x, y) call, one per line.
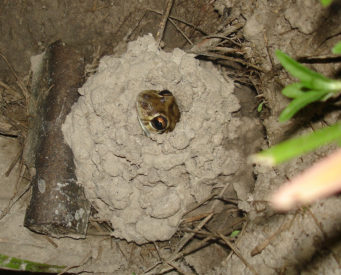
point(144, 185)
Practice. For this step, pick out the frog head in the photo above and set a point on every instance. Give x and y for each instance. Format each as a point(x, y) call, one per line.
point(157, 111)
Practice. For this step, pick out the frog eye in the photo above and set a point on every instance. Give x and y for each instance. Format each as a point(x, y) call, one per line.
point(159, 123)
point(146, 96)
point(165, 92)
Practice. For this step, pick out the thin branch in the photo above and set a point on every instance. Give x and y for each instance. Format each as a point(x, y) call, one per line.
point(186, 252)
point(220, 56)
point(14, 162)
point(237, 241)
point(51, 241)
point(226, 50)
point(195, 218)
point(19, 82)
point(236, 251)
point(177, 254)
point(215, 39)
point(180, 20)
point(13, 201)
point(159, 34)
point(127, 37)
point(199, 204)
point(189, 236)
point(152, 267)
point(324, 236)
point(177, 268)
point(83, 262)
point(183, 34)
point(4, 85)
point(259, 248)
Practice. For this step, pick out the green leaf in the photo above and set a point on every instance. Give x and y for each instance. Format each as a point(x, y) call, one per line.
point(300, 102)
point(297, 146)
point(293, 90)
point(260, 106)
point(309, 78)
point(235, 233)
point(337, 48)
point(24, 265)
point(325, 3)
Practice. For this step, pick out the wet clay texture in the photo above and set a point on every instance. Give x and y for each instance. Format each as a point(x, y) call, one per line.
point(142, 185)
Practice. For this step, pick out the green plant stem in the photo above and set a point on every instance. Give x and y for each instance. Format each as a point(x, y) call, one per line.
point(299, 103)
point(297, 146)
point(24, 265)
point(308, 78)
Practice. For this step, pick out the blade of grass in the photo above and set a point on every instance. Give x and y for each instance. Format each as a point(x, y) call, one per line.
point(297, 146)
point(293, 90)
point(300, 102)
point(24, 265)
point(309, 78)
point(297, 69)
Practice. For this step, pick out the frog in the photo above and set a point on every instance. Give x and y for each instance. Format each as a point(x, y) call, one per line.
point(157, 111)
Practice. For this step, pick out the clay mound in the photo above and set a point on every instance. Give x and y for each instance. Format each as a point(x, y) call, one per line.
point(143, 185)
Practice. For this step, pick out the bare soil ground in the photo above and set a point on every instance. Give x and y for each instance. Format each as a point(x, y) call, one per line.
point(240, 38)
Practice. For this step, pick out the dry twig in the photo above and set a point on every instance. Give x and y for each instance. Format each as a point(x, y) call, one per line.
point(199, 204)
point(178, 269)
point(183, 34)
point(180, 20)
point(14, 162)
point(163, 22)
point(237, 241)
point(14, 199)
point(259, 248)
point(129, 34)
point(205, 233)
point(336, 258)
point(19, 82)
point(5, 86)
point(161, 258)
point(214, 39)
point(237, 252)
point(83, 262)
point(51, 241)
point(196, 218)
point(229, 58)
point(181, 254)
point(188, 236)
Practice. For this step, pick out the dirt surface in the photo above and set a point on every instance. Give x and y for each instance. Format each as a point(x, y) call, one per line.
point(302, 241)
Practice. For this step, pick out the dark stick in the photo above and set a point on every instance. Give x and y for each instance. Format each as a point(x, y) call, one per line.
point(58, 205)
